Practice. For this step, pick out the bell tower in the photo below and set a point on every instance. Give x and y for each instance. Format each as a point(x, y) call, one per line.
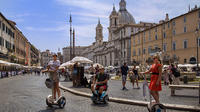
point(113, 22)
point(99, 33)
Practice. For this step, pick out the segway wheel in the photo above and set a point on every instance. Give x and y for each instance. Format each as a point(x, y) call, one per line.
point(48, 104)
point(158, 108)
point(62, 102)
point(106, 99)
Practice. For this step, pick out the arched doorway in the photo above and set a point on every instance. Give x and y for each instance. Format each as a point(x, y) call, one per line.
point(193, 60)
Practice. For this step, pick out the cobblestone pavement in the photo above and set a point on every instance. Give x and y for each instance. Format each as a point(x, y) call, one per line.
point(28, 93)
point(184, 96)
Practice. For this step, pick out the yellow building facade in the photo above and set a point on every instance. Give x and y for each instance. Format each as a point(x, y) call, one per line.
point(176, 38)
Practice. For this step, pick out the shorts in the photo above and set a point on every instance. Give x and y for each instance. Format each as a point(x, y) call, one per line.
point(124, 78)
point(54, 77)
point(98, 86)
point(135, 76)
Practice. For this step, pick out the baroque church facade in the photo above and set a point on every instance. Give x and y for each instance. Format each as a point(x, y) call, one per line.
point(117, 49)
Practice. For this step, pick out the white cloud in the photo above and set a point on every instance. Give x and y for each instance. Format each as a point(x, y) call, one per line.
point(86, 14)
point(93, 5)
point(47, 29)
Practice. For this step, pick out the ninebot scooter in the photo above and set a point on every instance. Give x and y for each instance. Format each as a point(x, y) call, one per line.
point(103, 98)
point(49, 100)
point(151, 107)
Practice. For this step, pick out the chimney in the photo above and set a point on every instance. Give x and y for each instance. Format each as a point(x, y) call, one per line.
point(167, 17)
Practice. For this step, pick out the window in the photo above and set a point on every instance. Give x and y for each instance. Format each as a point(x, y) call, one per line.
point(199, 41)
point(138, 39)
point(185, 30)
point(3, 27)
point(174, 32)
point(156, 47)
point(185, 44)
point(149, 49)
point(7, 45)
point(164, 47)
point(150, 34)
point(199, 25)
point(163, 26)
point(174, 46)
point(134, 53)
point(184, 19)
point(168, 25)
point(1, 41)
point(185, 60)
point(199, 14)
point(144, 51)
point(174, 23)
point(155, 29)
point(144, 37)
point(124, 31)
point(139, 52)
point(156, 37)
point(164, 35)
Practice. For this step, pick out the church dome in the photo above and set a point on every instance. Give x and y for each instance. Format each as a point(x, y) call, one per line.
point(124, 16)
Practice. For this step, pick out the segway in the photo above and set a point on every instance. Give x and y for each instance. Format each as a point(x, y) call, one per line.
point(49, 100)
point(103, 98)
point(150, 106)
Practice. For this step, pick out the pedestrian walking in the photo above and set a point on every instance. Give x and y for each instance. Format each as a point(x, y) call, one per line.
point(156, 73)
point(124, 71)
point(176, 73)
point(166, 77)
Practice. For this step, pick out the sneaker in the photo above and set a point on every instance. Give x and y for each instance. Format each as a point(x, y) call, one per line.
point(138, 87)
point(125, 88)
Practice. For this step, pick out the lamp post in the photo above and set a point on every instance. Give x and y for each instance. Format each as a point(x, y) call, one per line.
point(197, 31)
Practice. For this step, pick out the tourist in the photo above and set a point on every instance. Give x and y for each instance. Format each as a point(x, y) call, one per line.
point(135, 76)
point(156, 75)
point(100, 80)
point(176, 73)
point(166, 77)
point(97, 69)
point(124, 71)
point(75, 75)
point(92, 70)
point(53, 66)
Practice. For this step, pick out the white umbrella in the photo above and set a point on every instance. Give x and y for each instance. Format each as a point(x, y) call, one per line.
point(81, 60)
point(4, 62)
point(66, 64)
point(95, 65)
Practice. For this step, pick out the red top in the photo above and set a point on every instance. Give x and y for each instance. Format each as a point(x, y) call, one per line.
point(154, 68)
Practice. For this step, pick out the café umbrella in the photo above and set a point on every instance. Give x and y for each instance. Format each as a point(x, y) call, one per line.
point(79, 59)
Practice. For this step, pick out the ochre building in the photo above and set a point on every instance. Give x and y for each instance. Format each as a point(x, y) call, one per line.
point(176, 39)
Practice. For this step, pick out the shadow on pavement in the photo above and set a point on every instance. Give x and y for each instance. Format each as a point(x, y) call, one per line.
point(99, 105)
point(50, 109)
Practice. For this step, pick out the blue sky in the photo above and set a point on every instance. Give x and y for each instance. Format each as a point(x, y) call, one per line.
point(46, 22)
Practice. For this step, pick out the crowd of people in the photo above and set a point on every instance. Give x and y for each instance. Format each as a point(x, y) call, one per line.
point(10, 73)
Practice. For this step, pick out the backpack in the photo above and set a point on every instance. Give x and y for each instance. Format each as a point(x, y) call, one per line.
point(177, 73)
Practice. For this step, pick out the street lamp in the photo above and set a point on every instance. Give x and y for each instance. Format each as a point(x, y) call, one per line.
point(197, 31)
